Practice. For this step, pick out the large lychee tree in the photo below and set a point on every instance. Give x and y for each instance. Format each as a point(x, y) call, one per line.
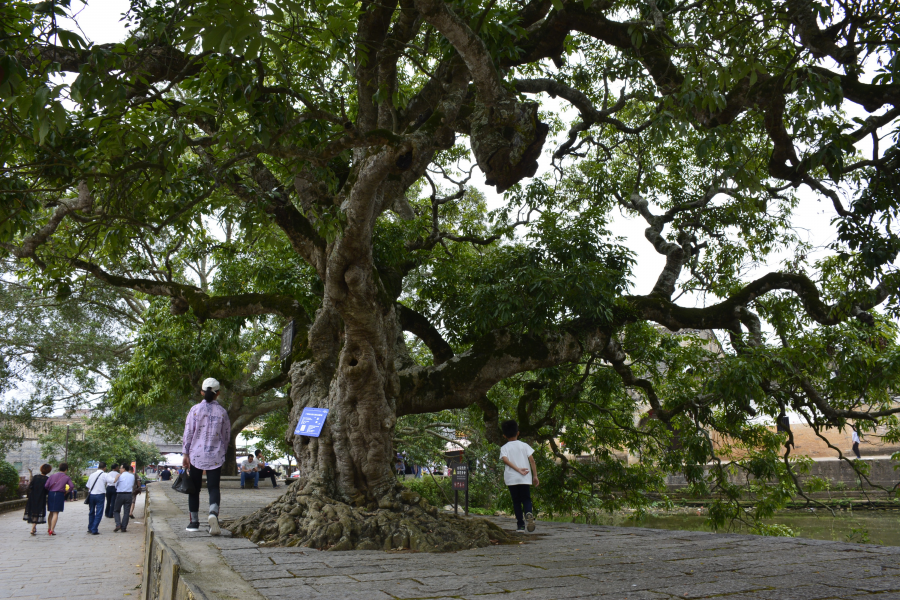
point(348, 132)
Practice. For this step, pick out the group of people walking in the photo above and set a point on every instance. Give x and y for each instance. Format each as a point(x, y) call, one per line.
point(116, 488)
point(207, 432)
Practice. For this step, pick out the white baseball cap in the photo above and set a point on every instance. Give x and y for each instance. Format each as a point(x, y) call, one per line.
point(208, 383)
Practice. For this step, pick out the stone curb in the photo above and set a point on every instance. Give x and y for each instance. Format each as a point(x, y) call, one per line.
point(13, 505)
point(184, 569)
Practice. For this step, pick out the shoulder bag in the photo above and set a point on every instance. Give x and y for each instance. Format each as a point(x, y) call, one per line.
point(183, 483)
point(87, 498)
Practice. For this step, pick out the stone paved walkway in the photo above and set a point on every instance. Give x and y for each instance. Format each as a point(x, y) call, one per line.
point(71, 564)
point(569, 561)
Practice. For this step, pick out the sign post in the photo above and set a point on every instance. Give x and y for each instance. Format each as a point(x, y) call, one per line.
point(460, 481)
point(287, 339)
point(311, 422)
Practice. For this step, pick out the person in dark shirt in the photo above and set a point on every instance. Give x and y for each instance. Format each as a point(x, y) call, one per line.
point(165, 474)
point(36, 509)
point(266, 470)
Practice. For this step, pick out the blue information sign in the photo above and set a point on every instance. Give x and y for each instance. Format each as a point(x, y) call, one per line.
point(311, 422)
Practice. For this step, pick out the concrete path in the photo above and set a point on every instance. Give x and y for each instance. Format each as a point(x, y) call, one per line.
point(71, 564)
point(567, 561)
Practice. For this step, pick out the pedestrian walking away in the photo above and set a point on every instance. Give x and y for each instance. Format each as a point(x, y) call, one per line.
point(136, 491)
point(96, 490)
point(124, 497)
point(517, 476)
point(56, 495)
point(165, 474)
point(250, 472)
point(36, 507)
point(207, 431)
point(856, 444)
point(111, 478)
point(266, 470)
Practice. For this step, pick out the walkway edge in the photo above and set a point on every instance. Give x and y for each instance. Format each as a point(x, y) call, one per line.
point(179, 569)
point(17, 504)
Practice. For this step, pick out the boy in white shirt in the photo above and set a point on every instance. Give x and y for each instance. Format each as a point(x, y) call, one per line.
point(519, 474)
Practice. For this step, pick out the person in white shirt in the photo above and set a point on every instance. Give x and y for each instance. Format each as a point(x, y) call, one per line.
point(519, 474)
point(111, 478)
point(250, 472)
point(96, 486)
point(856, 444)
point(124, 497)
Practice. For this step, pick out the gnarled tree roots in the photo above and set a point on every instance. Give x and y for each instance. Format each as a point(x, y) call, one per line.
point(402, 520)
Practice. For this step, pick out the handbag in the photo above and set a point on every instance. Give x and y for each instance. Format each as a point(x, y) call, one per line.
point(87, 497)
point(183, 484)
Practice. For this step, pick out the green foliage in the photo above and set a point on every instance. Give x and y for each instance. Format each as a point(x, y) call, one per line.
point(9, 481)
point(96, 441)
point(436, 491)
point(271, 434)
point(66, 350)
point(773, 530)
point(859, 535)
point(13, 419)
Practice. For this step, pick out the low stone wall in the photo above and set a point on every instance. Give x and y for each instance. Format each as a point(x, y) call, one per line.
point(179, 566)
point(13, 505)
point(882, 473)
point(162, 578)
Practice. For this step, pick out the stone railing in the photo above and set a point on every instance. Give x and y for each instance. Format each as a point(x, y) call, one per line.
point(184, 567)
point(18, 504)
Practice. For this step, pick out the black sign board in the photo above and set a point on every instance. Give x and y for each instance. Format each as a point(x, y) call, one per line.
point(287, 339)
point(460, 477)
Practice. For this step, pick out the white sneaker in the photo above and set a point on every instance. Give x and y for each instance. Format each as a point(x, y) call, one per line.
point(213, 525)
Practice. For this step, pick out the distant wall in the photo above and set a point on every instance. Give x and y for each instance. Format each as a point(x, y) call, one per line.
point(26, 456)
point(881, 472)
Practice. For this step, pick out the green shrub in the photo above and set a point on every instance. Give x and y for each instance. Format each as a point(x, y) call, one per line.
point(430, 489)
point(483, 491)
point(773, 530)
point(9, 481)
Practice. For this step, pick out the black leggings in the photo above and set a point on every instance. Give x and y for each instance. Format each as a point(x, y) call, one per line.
point(212, 484)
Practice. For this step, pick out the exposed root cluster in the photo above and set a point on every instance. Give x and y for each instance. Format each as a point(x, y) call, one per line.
point(402, 520)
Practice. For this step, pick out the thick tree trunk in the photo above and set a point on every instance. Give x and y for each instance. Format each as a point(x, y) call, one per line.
point(351, 460)
point(230, 466)
point(347, 496)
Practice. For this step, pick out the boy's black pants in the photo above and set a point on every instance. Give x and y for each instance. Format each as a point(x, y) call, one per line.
point(521, 497)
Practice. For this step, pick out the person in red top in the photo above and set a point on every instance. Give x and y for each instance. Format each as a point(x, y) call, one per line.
point(56, 495)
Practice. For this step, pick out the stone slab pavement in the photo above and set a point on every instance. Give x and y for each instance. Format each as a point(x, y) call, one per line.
point(562, 561)
point(71, 564)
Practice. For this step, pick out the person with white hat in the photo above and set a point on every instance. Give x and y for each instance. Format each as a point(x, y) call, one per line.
point(206, 434)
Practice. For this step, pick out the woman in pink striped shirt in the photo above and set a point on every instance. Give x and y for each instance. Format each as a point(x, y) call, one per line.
point(206, 435)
